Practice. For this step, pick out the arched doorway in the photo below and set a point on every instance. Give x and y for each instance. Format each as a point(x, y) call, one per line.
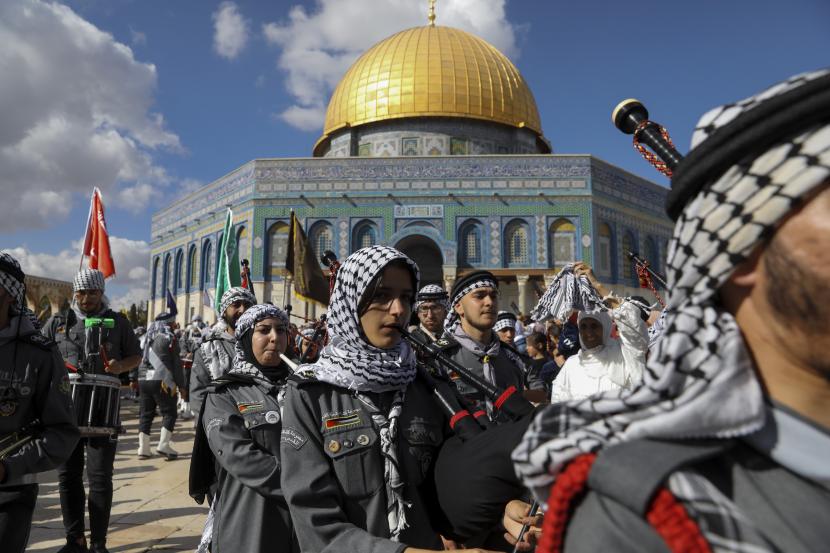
point(427, 255)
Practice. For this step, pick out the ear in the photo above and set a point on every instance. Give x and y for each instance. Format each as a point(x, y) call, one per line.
point(747, 273)
point(459, 310)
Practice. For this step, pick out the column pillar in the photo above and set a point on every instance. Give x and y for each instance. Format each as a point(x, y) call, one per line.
point(522, 281)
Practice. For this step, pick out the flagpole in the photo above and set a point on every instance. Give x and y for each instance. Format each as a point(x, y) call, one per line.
point(88, 222)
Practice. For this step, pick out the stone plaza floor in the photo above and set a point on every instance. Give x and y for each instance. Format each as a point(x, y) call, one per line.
point(151, 510)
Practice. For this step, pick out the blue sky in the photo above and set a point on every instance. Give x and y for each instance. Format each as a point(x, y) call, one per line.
point(147, 98)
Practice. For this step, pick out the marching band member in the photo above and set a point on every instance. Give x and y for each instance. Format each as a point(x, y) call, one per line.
point(241, 422)
point(431, 307)
point(360, 433)
point(215, 355)
point(159, 375)
point(469, 338)
point(724, 446)
point(124, 354)
point(34, 391)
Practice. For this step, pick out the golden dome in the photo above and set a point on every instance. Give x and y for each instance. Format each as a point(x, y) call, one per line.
point(431, 71)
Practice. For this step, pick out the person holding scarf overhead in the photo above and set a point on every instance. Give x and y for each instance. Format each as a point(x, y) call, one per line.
point(241, 424)
point(360, 432)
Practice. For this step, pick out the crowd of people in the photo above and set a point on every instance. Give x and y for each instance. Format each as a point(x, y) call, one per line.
point(595, 423)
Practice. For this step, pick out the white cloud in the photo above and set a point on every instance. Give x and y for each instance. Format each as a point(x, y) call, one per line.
point(131, 257)
point(317, 48)
point(230, 31)
point(78, 115)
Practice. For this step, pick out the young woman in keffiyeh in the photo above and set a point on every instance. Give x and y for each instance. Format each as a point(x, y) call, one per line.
point(241, 424)
point(724, 446)
point(360, 432)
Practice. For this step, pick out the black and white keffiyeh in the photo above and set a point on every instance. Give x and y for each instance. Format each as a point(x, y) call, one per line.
point(505, 319)
point(699, 381)
point(565, 293)
point(216, 357)
point(13, 280)
point(349, 360)
point(233, 295)
point(88, 279)
point(242, 365)
point(453, 320)
point(433, 293)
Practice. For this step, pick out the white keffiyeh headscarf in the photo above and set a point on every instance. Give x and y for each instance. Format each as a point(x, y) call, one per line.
point(699, 381)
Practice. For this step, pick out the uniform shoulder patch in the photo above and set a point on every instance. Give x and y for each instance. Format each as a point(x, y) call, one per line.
point(246, 407)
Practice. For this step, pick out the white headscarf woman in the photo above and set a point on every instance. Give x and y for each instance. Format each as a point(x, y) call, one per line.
point(603, 363)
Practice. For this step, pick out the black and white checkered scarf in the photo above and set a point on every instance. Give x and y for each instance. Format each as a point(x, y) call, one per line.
point(565, 293)
point(699, 381)
point(453, 320)
point(349, 360)
point(242, 365)
point(17, 290)
point(233, 295)
point(432, 293)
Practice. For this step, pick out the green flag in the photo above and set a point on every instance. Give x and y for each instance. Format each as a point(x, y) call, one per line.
point(227, 276)
point(309, 281)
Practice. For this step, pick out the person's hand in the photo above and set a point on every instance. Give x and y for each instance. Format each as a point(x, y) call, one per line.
point(516, 515)
point(583, 269)
point(114, 367)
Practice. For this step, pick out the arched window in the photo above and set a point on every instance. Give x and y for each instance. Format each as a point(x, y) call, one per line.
point(243, 243)
point(365, 234)
point(167, 276)
point(516, 237)
point(322, 238)
point(178, 284)
point(207, 264)
point(627, 273)
point(562, 243)
point(277, 244)
point(154, 283)
point(603, 251)
point(469, 243)
point(650, 253)
point(192, 269)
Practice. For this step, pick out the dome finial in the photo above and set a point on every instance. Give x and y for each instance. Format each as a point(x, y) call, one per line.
point(431, 15)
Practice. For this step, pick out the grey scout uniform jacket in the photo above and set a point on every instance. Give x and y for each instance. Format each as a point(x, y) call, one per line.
point(507, 374)
point(241, 420)
point(33, 371)
point(791, 512)
point(333, 470)
point(167, 349)
point(67, 330)
point(200, 376)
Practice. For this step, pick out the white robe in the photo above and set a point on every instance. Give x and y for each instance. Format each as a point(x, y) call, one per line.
point(614, 365)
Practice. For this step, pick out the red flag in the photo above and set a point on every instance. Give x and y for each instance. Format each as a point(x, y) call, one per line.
point(97, 241)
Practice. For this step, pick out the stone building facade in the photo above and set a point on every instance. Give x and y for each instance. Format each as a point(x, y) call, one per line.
point(432, 144)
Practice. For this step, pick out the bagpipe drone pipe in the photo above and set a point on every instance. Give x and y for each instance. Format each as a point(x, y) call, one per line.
point(474, 476)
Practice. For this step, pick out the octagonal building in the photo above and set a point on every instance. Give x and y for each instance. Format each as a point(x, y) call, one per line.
point(433, 144)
